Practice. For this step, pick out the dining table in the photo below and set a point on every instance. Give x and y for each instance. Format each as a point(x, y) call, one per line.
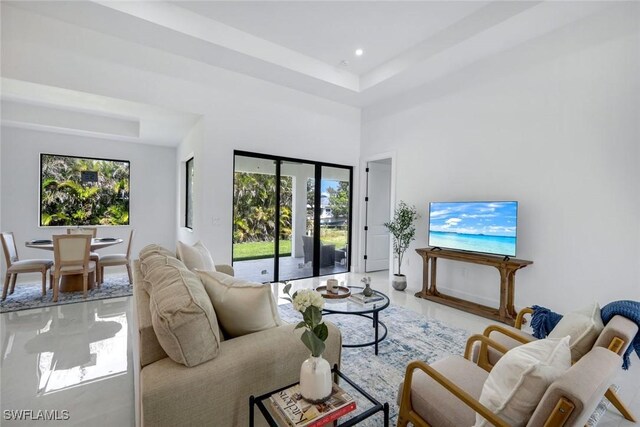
point(74, 282)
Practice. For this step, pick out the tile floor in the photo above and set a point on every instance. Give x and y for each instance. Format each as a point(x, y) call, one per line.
point(80, 358)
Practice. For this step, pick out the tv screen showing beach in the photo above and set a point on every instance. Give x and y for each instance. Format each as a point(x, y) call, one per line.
point(488, 227)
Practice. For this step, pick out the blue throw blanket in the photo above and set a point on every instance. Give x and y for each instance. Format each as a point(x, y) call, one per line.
point(544, 320)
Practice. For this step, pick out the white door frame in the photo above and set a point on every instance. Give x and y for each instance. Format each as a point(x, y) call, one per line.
point(358, 265)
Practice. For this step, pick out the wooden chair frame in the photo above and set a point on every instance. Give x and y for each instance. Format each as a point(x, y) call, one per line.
point(10, 278)
point(128, 258)
point(557, 418)
point(94, 257)
point(83, 269)
point(615, 345)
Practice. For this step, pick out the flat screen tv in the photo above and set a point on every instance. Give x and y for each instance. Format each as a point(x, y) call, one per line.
point(487, 227)
point(83, 191)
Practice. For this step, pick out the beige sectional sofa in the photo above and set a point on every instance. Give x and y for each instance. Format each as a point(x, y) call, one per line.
point(216, 392)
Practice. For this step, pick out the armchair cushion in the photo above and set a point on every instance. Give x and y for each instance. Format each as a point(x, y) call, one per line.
point(438, 406)
point(584, 326)
point(519, 379)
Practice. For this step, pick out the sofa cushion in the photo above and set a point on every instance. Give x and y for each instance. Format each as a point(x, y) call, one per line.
point(517, 382)
point(583, 326)
point(242, 307)
point(196, 257)
point(182, 315)
point(154, 249)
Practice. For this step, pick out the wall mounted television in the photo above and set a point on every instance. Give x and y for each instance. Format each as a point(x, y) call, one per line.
point(486, 227)
point(83, 191)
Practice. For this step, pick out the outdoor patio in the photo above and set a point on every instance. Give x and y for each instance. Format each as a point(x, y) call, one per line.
point(290, 268)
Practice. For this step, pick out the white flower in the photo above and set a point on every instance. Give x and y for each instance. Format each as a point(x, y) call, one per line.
point(306, 298)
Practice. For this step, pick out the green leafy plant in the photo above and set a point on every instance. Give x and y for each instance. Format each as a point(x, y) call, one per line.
point(66, 200)
point(402, 230)
point(310, 304)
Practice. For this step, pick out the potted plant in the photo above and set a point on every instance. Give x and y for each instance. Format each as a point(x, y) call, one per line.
point(403, 232)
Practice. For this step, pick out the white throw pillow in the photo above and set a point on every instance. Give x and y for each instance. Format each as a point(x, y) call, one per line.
point(196, 257)
point(583, 326)
point(241, 307)
point(517, 382)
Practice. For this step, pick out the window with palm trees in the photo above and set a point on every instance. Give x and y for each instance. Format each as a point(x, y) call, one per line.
point(83, 191)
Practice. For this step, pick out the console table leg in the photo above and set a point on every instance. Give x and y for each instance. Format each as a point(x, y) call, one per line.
point(433, 290)
point(425, 276)
point(511, 278)
point(502, 310)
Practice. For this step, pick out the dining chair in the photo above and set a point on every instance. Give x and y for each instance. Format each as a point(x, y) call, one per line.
point(112, 260)
point(16, 266)
point(71, 256)
point(94, 256)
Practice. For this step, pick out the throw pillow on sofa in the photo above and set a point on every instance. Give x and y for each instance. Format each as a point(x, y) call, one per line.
point(182, 315)
point(519, 379)
point(242, 307)
point(584, 326)
point(196, 257)
point(154, 249)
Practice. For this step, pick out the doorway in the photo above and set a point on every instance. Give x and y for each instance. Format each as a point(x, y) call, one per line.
point(291, 218)
point(377, 212)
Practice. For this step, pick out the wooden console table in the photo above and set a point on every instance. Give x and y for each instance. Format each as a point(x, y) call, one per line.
point(506, 313)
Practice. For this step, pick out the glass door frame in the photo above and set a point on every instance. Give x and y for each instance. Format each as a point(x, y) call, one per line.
point(316, 208)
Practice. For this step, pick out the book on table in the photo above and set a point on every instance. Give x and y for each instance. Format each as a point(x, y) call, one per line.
point(362, 299)
point(297, 412)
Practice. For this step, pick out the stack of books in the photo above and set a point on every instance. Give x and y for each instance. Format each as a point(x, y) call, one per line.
point(361, 299)
point(297, 412)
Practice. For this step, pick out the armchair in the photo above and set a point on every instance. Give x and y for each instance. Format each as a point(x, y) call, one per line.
point(616, 336)
point(431, 394)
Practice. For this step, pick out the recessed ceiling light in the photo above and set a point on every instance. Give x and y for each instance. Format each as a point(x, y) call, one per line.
point(359, 52)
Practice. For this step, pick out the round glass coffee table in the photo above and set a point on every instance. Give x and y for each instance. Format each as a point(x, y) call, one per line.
point(368, 310)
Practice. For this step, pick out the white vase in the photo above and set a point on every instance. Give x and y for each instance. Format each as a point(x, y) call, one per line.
point(315, 379)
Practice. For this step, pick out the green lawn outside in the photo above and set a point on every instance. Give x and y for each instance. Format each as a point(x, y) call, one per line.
point(257, 250)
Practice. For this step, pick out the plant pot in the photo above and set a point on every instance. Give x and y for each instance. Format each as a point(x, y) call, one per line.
point(399, 282)
point(315, 379)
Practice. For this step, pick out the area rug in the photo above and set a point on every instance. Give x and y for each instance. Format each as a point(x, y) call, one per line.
point(29, 295)
point(411, 337)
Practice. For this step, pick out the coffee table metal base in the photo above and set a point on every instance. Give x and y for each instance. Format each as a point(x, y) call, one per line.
point(376, 324)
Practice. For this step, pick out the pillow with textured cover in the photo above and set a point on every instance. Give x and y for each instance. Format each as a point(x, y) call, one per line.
point(154, 249)
point(196, 257)
point(242, 307)
point(519, 379)
point(583, 326)
point(182, 315)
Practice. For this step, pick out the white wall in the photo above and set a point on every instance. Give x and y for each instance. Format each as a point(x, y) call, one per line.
point(238, 112)
point(152, 196)
point(553, 124)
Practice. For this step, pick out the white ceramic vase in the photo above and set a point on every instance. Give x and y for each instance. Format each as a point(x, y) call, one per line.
point(315, 379)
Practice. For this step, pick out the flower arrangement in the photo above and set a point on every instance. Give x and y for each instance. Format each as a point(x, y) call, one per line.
point(310, 304)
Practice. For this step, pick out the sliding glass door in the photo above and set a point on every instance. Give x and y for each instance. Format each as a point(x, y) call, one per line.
point(291, 218)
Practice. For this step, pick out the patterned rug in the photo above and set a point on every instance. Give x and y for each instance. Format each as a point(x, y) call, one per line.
point(29, 295)
point(411, 337)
